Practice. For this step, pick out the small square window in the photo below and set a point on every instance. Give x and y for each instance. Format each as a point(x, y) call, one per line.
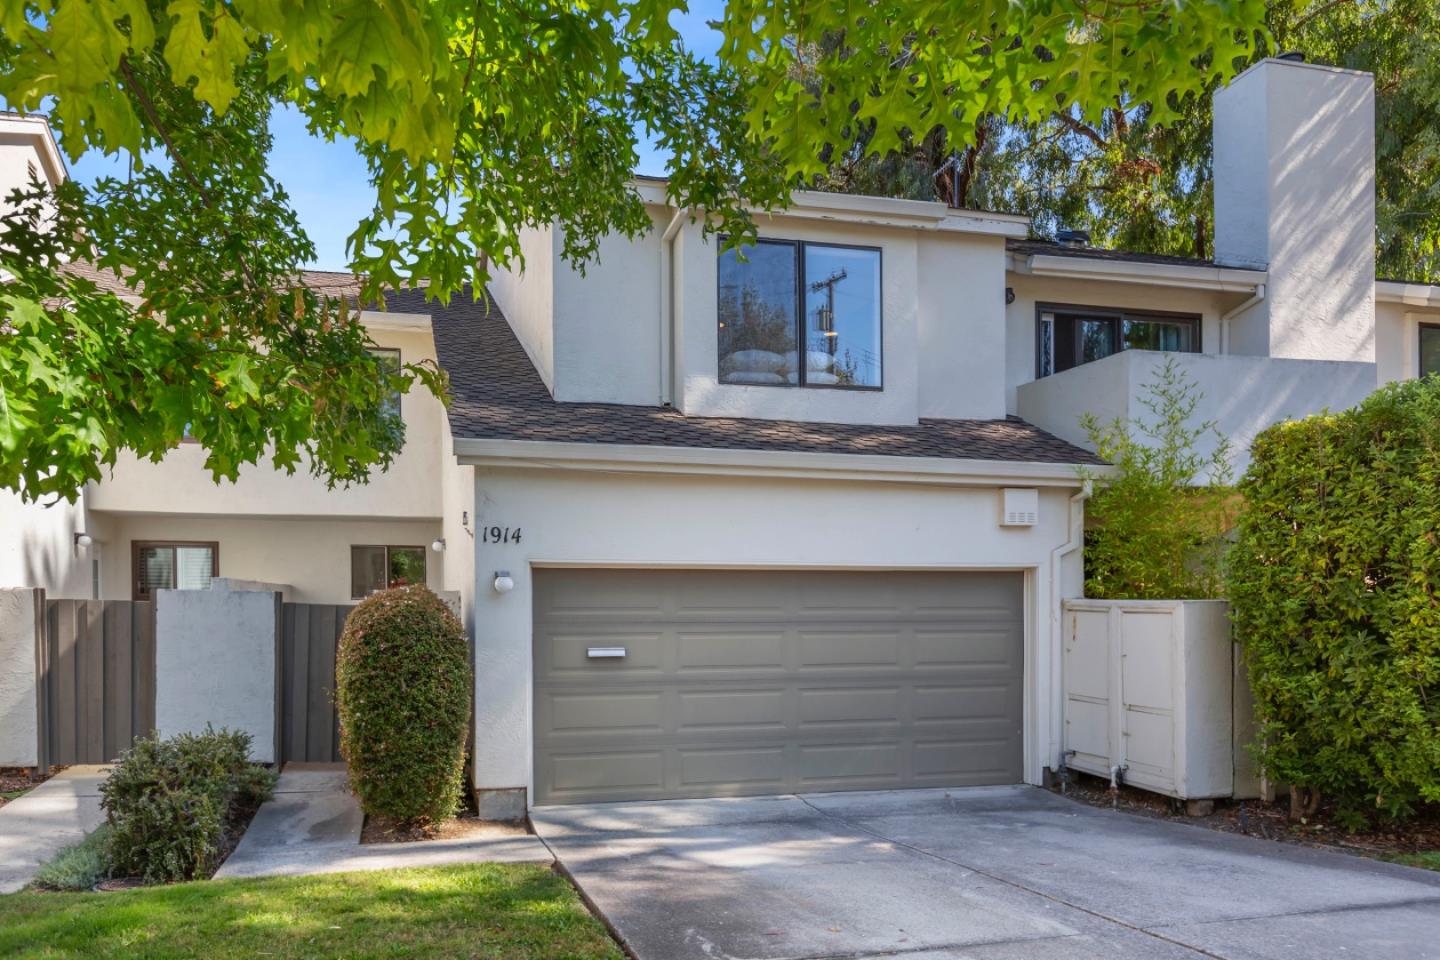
point(375, 568)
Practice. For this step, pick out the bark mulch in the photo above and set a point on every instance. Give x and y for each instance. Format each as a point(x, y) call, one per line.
point(16, 781)
point(1269, 821)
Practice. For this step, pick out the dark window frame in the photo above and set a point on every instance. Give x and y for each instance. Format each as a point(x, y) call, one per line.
point(387, 547)
point(802, 345)
point(1420, 344)
point(380, 353)
point(137, 545)
point(1119, 315)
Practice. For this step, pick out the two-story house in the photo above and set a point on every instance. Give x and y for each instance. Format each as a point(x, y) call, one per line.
point(801, 518)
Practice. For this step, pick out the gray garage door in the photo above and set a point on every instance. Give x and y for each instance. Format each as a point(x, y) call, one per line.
point(700, 683)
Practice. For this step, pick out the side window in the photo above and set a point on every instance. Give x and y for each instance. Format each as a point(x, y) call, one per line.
point(389, 362)
point(172, 566)
point(1429, 349)
point(1069, 337)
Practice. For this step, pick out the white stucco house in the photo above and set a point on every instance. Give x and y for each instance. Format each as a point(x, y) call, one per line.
point(801, 521)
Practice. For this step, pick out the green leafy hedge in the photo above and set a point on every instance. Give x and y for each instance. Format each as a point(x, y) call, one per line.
point(402, 678)
point(1154, 532)
point(168, 802)
point(1333, 585)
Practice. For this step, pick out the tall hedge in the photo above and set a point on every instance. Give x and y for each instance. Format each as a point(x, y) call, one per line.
point(403, 687)
point(1333, 584)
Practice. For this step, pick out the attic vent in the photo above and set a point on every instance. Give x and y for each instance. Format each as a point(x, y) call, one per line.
point(1020, 507)
point(1073, 238)
point(1294, 56)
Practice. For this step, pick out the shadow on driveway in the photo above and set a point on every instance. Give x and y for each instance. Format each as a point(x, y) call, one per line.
point(983, 874)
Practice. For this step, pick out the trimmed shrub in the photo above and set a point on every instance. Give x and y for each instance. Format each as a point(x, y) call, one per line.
point(402, 689)
point(168, 803)
point(79, 867)
point(1155, 533)
point(1333, 584)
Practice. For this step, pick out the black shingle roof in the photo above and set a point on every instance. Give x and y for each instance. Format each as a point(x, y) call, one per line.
point(496, 393)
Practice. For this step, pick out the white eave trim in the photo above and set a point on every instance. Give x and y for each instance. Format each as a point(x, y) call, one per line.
point(398, 322)
point(707, 461)
point(875, 211)
point(1410, 294)
point(1225, 279)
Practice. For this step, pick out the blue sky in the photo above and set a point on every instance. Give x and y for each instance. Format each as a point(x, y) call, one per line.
point(327, 182)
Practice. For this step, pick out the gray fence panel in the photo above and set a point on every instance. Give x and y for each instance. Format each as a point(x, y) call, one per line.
point(97, 669)
point(310, 729)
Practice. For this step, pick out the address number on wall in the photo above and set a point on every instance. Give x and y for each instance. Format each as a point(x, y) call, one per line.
point(499, 534)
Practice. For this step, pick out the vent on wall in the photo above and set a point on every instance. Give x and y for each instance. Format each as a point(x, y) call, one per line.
point(1019, 507)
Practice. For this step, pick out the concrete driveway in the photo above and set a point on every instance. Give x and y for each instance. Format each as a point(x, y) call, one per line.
point(981, 874)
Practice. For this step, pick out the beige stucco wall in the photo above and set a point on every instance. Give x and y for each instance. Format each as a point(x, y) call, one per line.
point(1397, 339)
point(312, 557)
point(19, 722)
point(37, 545)
point(525, 292)
point(609, 519)
point(960, 305)
point(180, 484)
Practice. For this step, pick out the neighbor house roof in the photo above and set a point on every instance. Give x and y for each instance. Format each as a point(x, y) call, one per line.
point(1050, 248)
point(496, 393)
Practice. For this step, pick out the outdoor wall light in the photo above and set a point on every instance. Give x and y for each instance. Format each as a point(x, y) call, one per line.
point(504, 583)
point(438, 544)
point(83, 539)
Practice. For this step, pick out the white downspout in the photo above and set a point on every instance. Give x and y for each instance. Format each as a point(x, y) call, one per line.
point(1256, 298)
point(1057, 557)
point(667, 310)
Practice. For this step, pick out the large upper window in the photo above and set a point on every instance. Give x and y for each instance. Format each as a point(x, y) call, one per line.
point(800, 314)
point(1068, 337)
point(375, 568)
point(1429, 349)
point(173, 566)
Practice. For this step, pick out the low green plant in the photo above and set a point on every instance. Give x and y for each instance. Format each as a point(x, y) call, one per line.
point(169, 801)
point(1334, 584)
point(402, 690)
point(1156, 525)
point(77, 867)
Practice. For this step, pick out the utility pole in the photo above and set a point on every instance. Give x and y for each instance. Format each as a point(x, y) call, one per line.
point(827, 312)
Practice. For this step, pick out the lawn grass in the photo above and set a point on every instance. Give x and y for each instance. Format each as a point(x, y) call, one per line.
point(490, 911)
point(1428, 859)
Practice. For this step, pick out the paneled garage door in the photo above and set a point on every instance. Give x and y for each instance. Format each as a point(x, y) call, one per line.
point(698, 683)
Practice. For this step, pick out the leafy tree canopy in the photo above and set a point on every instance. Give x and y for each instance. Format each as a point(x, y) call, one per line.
point(1140, 179)
point(476, 120)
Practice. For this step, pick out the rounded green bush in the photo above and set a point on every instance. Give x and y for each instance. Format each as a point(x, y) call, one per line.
point(402, 679)
point(1334, 583)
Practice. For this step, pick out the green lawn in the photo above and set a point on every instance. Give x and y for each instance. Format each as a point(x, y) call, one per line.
point(1429, 859)
point(492, 911)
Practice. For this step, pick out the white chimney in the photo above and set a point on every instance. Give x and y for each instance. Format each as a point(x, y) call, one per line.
point(1295, 195)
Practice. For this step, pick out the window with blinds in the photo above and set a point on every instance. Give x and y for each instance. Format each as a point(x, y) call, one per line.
point(174, 566)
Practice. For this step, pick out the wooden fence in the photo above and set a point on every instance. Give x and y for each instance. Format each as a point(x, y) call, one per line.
point(309, 728)
point(97, 672)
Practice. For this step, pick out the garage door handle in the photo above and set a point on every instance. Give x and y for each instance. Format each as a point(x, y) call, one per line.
point(605, 653)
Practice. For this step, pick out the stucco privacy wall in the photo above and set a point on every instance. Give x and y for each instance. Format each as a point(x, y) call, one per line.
point(19, 730)
point(1295, 195)
point(1242, 395)
point(1030, 292)
point(410, 489)
point(215, 663)
point(614, 519)
point(311, 557)
point(699, 392)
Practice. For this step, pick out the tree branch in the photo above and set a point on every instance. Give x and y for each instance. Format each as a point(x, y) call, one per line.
point(1076, 126)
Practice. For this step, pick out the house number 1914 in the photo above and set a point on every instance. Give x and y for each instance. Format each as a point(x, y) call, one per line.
point(499, 534)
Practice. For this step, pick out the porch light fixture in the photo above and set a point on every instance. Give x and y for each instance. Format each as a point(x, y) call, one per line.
point(83, 539)
point(504, 583)
point(438, 545)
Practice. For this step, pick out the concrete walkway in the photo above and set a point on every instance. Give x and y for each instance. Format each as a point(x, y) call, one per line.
point(313, 826)
point(55, 815)
point(1008, 873)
